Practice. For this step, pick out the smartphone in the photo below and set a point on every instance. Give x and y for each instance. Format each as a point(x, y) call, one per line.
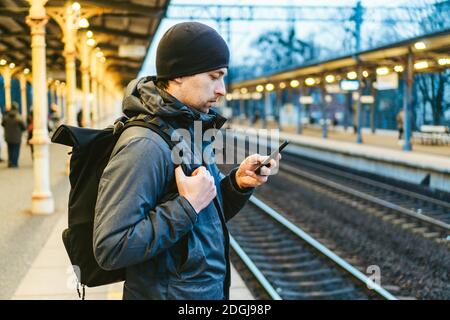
point(272, 156)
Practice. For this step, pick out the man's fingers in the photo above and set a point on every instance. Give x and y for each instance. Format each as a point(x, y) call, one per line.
point(265, 171)
point(255, 161)
point(200, 169)
point(261, 159)
point(251, 174)
point(273, 164)
point(179, 173)
point(259, 178)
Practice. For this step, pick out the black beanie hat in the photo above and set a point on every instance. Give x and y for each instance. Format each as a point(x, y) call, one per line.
point(189, 48)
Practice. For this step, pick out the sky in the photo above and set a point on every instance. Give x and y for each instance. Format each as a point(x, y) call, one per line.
point(244, 33)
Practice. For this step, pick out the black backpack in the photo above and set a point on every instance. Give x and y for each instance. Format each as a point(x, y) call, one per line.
point(91, 150)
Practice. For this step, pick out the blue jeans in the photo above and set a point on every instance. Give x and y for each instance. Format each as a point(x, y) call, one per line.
point(13, 154)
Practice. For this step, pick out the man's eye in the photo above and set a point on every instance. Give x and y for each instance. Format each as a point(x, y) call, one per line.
point(214, 77)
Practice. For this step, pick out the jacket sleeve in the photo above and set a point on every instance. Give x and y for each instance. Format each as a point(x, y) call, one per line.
point(233, 197)
point(22, 125)
point(130, 226)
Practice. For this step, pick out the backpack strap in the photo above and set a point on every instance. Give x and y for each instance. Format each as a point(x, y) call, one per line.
point(158, 126)
point(152, 126)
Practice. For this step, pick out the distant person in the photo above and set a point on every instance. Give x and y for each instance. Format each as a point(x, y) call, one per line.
point(355, 119)
point(80, 118)
point(30, 118)
point(255, 117)
point(54, 115)
point(334, 121)
point(400, 119)
point(30, 131)
point(14, 127)
point(1, 159)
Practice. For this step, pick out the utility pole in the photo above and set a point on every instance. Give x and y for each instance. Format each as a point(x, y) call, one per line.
point(358, 19)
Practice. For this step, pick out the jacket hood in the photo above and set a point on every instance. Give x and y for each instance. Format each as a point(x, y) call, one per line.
point(143, 97)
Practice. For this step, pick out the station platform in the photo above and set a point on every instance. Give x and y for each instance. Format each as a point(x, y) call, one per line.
point(381, 138)
point(34, 262)
point(380, 153)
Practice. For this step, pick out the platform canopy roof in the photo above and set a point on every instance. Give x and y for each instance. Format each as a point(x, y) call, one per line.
point(430, 48)
point(123, 29)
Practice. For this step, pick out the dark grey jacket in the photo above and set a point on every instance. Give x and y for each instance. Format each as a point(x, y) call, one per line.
point(14, 127)
point(143, 224)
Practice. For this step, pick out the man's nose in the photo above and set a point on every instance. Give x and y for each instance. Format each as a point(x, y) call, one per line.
point(221, 90)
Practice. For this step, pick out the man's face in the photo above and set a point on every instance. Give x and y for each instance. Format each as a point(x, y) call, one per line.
point(202, 91)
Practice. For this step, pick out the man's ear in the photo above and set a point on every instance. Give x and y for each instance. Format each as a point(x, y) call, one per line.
point(178, 80)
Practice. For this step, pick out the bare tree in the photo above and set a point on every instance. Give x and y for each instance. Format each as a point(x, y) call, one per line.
point(432, 91)
point(432, 86)
point(281, 50)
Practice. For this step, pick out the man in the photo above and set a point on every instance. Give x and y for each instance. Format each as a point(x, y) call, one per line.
point(399, 118)
point(165, 226)
point(14, 127)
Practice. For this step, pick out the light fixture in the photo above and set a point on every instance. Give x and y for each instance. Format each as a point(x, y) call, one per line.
point(91, 42)
point(76, 6)
point(310, 81)
point(89, 34)
point(3, 62)
point(99, 54)
point(26, 71)
point(329, 78)
point(282, 85)
point(294, 83)
point(365, 73)
point(260, 88)
point(398, 68)
point(352, 75)
point(444, 61)
point(83, 23)
point(421, 65)
point(12, 65)
point(256, 95)
point(229, 96)
point(270, 87)
point(420, 45)
point(244, 90)
point(382, 71)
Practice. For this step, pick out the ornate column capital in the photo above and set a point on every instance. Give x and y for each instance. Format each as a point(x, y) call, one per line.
point(37, 18)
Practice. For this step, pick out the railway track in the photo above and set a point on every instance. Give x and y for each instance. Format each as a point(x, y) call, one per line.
point(421, 214)
point(416, 212)
point(402, 232)
point(290, 264)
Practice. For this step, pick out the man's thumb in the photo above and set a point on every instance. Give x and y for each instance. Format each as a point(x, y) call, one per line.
point(179, 173)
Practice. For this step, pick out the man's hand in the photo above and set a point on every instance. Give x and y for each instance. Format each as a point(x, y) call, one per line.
point(199, 189)
point(246, 176)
